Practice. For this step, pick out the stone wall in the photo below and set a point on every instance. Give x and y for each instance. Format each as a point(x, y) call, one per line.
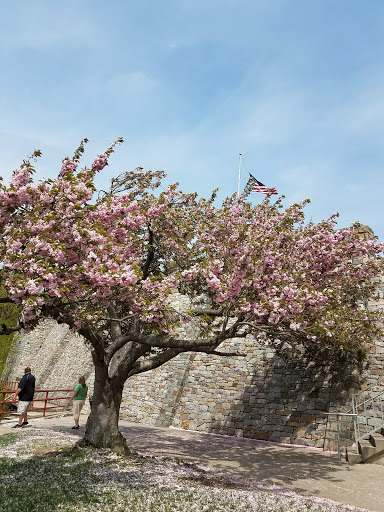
point(56, 356)
point(258, 396)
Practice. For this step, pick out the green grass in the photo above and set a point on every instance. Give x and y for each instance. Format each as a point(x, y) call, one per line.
point(9, 314)
point(7, 439)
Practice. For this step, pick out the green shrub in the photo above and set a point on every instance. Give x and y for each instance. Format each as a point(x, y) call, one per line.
point(9, 314)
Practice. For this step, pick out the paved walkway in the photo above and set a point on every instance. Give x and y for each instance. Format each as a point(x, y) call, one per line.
point(306, 471)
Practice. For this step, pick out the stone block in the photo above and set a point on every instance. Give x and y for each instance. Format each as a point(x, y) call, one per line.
point(263, 436)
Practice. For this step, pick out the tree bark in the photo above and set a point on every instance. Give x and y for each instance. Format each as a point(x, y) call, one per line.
point(102, 426)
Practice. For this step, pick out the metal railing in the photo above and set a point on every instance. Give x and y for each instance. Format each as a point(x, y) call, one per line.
point(367, 413)
point(9, 385)
point(340, 415)
point(50, 397)
point(368, 406)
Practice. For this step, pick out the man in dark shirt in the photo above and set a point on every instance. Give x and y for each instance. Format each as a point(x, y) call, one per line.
point(25, 391)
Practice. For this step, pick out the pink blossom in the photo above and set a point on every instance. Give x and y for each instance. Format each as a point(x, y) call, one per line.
point(63, 243)
point(68, 166)
point(213, 282)
point(100, 162)
point(20, 177)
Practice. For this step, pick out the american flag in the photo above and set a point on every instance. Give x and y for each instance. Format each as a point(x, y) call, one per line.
point(255, 185)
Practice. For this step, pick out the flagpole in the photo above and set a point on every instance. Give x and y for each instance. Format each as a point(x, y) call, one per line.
point(238, 185)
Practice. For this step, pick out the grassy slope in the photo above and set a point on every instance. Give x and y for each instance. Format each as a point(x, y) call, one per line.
point(9, 314)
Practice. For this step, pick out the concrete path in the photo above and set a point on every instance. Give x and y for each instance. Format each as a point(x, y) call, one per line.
point(303, 470)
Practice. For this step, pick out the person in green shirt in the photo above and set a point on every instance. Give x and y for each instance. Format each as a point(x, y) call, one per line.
point(78, 398)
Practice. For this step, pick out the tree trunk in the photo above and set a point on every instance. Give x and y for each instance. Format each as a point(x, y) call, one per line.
point(102, 426)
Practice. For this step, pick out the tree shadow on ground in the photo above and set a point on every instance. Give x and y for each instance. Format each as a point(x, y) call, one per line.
point(263, 465)
point(246, 458)
point(227, 462)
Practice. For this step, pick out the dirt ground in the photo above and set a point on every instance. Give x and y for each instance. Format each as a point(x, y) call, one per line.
point(303, 470)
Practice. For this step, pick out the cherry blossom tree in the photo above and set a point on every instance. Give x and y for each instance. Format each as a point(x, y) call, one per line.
point(108, 264)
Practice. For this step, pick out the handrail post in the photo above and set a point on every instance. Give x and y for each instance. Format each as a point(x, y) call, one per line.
point(338, 438)
point(2, 404)
point(355, 424)
point(365, 415)
point(45, 402)
point(338, 415)
point(373, 413)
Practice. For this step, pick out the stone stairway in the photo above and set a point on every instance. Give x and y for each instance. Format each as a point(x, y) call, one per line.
point(371, 450)
point(368, 421)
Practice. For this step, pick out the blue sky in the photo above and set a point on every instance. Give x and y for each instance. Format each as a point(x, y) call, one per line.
point(296, 86)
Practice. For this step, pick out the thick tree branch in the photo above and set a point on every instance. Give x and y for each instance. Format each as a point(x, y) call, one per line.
point(154, 361)
point(6, 331)
point(232, 331)
point(210, 351)
point(116, 346)
point(115, 327)
point(157, 360)
point(6, 300)
point(119, 320)
point(263, 328)
point(150, 255)
point(96, 342)
point(115, 358)
point(122, 340)
point(168, 342)
point(128, 357)
point(282, 333)
point(207, 311)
